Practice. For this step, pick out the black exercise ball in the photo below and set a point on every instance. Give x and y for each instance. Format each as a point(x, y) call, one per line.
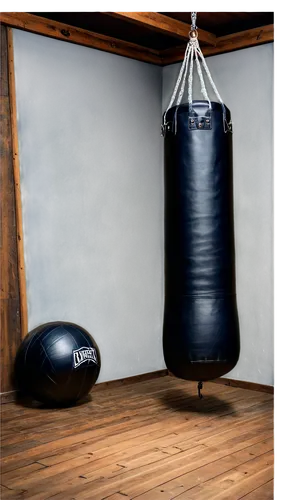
point(57, 363)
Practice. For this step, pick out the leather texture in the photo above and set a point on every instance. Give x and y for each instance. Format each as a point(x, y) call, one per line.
point(201, 329)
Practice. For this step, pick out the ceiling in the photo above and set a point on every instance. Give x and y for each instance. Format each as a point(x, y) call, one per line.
point(225, 23)
point(218, 23)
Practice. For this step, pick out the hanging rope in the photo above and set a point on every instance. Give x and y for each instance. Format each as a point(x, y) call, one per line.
point(193, 51)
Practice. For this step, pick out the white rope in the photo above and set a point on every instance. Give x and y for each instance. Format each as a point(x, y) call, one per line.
point(181, 93)
point(209, 75)
point(200, 73)
point(177, 82)
point(192, 52)
point(190, 80)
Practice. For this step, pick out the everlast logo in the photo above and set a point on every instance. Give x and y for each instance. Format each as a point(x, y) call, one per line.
point(84, 354)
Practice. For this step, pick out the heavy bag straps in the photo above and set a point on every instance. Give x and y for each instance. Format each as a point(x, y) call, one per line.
point(193, 52)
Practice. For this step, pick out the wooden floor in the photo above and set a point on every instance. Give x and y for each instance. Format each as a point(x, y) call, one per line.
point(148, 440)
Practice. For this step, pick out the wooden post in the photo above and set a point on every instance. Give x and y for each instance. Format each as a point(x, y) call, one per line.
point(9, 278)
point(16, 172)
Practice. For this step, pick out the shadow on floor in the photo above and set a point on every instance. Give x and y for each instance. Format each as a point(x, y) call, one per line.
point(185, 402)
point(28, 402)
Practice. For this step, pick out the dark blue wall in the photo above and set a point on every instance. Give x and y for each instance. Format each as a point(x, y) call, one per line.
point(245, 79)
point(92, 187)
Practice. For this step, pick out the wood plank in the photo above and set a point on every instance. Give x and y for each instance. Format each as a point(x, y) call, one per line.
point(9, 293)
point(18, 201)
point(139, 483)
point(236, 483)
point(174, 439)
point(155, 392)
point(67, 33)
point(8, 493)
point(106, 446)
point(184, 402)
point(101, 436)
point(102, 399)
point(66, 419)
point(263, 492)
point(229, 43)
point(132, 456)
point(89, 469)
point(22, 472)
point(243, 39)
point(164, 24)
point(118, 496)
point(97, 451)
point(8, 264)
point(216, 45)
point(131, 395)
point(135, 482)
point(185, 483)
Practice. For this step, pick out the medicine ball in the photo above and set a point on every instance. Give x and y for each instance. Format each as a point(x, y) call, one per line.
point(57, 363)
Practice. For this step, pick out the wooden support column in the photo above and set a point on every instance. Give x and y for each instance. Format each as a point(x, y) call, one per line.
point(13, 324)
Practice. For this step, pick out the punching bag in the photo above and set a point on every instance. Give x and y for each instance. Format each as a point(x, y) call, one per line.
point(201, 329)
point(201, 333)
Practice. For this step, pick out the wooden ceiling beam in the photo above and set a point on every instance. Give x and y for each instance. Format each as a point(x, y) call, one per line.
point(227, 43)
point(61, 31)
point(244, 39)
point(65, 32)
point(164, 24)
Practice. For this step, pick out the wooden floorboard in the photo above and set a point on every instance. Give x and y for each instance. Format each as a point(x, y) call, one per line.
point(154, 439)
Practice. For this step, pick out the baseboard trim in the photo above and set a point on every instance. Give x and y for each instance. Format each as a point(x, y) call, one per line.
point(9, 397)
point(130, 380)
point(242, 384)
point(253, 386)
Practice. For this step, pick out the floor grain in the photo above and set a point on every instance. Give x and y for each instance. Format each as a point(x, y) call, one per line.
point(150, 440)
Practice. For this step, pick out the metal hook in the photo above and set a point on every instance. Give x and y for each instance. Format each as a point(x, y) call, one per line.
point(200, 386)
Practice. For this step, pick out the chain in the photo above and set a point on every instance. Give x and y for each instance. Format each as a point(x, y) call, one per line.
point(194, 20)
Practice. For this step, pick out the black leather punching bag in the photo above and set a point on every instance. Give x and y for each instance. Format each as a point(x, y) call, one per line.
point(201, 330)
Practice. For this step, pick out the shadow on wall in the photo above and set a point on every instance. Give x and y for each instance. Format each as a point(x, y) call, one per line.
point(246, 76)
